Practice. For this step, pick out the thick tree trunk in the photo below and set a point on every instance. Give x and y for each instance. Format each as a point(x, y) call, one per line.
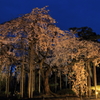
point(45, 77)
point(46, 83)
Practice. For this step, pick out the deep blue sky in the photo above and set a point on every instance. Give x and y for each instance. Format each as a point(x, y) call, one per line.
point(68, 13)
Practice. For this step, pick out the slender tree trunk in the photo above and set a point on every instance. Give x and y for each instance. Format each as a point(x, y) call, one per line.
point(22, 71)
point(60, 81)
point(7, 86)
point(0, 81)
point(39, 82)
point(29, 85)
point(89, 79)
point(55, 82)
point(22, 80)
point(7, 82)
point(95, 80)
point(66, 80)
point(31, 82)
point(89, 86)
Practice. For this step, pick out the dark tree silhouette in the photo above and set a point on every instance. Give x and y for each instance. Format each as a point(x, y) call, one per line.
point(85, 33)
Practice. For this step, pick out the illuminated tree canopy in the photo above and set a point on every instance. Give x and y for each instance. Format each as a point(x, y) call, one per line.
point(34, 42)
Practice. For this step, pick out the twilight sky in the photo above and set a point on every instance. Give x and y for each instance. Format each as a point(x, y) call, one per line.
point(68, 13)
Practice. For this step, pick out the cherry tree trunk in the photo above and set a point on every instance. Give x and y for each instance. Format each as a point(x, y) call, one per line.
point(45, 77)
point(46, 83)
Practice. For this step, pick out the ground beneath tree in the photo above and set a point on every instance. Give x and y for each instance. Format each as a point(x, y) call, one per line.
point(51, 98)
